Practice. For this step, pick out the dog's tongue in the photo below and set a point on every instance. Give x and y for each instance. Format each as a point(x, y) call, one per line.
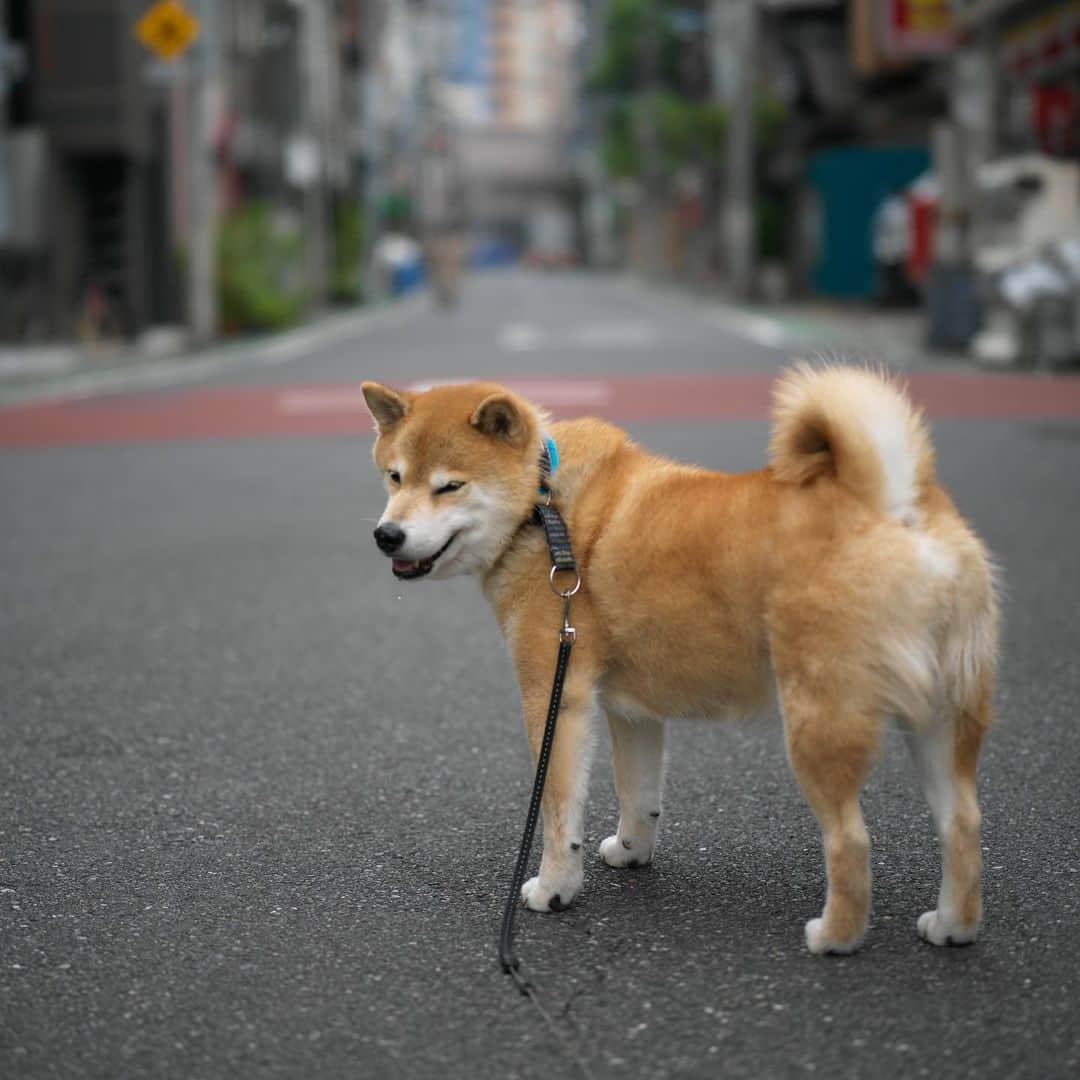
point(403, 566)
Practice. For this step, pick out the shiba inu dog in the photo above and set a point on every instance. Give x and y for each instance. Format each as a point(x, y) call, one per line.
point(840, 580)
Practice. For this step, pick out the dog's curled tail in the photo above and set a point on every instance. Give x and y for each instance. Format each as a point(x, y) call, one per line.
point(858, 426)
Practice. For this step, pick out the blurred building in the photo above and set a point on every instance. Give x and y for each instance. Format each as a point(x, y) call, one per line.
point(862, 89)
point(98, 132)
point(1028, 53)
point(510, 63)
point(510, 88)
point(100, 167)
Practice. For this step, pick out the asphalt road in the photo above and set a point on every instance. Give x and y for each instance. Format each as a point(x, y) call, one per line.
point(259, 802)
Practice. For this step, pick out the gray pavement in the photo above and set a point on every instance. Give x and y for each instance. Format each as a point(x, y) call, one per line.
point(259, 802)
point(603, 324)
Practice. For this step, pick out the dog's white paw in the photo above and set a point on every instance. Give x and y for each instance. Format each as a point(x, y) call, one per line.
point(936, 929)
point(621, 853)
point(539, 896)
point(819, 943)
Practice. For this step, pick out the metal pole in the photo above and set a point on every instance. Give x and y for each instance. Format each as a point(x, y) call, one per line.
point(316, 60)
point(5, 80)
point(372, 195)
point(740, 238)
point(202, 203)
point(652, 257)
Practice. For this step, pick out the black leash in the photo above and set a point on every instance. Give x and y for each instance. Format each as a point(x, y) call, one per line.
point(562, 561)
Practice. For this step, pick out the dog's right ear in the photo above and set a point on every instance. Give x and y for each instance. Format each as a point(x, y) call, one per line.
point(387, 406)
point(500, 416)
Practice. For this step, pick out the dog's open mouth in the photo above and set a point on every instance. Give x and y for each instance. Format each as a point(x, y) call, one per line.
point(408, 570)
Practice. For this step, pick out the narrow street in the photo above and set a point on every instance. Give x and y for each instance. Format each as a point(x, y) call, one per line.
point(259, 801)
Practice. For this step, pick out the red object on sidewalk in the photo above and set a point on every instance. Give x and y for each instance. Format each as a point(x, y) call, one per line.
point(923, 217)
point(1054, 116)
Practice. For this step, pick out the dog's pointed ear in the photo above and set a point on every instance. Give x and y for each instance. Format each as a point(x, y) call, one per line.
point(387, 406)
point(500, 415)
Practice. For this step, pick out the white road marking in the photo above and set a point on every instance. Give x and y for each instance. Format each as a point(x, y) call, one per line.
point(421, 385)
point(553, 392)
point(758, 328)
point(563, 393)
point(519, 337)
point(627, 335)
point(333, 399)
point(527, 337)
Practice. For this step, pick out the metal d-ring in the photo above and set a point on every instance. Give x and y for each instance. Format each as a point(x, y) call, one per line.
point(564, 593)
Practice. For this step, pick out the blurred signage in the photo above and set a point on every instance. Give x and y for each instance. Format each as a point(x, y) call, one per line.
point(167, 29)
point(919, 27)
point(889, 34)
point(1043, 46)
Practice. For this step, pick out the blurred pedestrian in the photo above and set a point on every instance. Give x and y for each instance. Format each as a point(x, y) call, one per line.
point(443, 217)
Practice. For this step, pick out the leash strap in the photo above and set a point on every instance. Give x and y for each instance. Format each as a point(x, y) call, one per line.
point(511, 965)
point(562, 559)
point(558, 539)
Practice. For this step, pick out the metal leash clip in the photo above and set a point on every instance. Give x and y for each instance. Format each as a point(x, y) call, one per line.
point(568, 633)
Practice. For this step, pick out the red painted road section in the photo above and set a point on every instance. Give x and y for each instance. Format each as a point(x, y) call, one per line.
point(275, 411)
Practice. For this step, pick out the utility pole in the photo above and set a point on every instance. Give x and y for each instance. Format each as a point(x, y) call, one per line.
point(5, 84)
point(651, 239)
point(734, 30)
point(6, 224)
point(374, 14)
point(202, 179)
point(316, 119)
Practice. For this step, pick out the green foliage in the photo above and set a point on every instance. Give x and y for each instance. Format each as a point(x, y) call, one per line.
point(771, 115)
point(769, 227)
point(617, 68)
point(687, 133)
point(260, 268)
point(395, 210)
point(629, 25)
point(619, 147)
point(689, 130)
point(347, 271)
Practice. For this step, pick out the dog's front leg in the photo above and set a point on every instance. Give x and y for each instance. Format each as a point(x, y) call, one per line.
point(638, 750)
point(561, 873)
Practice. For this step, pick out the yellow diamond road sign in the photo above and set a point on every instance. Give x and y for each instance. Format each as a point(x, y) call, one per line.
point(167, 29)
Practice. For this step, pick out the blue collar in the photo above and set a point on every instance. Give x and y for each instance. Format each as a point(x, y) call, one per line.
point(549, 462)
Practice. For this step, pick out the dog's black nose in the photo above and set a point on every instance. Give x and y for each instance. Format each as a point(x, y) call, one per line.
point(389, 537)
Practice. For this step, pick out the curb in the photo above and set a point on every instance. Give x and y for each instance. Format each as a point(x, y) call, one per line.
point(154, 373)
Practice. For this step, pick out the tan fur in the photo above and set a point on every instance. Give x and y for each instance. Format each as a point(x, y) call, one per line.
point(825, 421)
point(841, 578)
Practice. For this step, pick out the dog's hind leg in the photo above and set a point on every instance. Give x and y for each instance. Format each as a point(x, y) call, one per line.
point(945, 757)
point(832, 749)
point(638, 752)
point(561, 866)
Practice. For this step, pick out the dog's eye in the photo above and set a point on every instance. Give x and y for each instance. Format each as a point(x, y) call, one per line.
point(395, 477)
point(454, 485)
